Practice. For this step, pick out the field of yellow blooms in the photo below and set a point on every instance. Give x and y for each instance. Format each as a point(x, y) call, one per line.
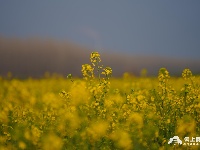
point(99, 112)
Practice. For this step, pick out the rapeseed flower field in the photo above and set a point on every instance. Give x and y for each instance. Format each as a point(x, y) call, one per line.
point(100, 112)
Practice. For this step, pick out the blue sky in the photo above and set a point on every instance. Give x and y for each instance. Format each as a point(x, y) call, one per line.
point(164, 28)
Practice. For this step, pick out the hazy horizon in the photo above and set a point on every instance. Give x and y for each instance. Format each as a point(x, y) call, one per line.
point(34, 56)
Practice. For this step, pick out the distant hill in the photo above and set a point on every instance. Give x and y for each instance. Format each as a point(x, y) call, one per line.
point(33, 57)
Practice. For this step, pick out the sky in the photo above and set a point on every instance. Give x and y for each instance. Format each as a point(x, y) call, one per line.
point(164, 28)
